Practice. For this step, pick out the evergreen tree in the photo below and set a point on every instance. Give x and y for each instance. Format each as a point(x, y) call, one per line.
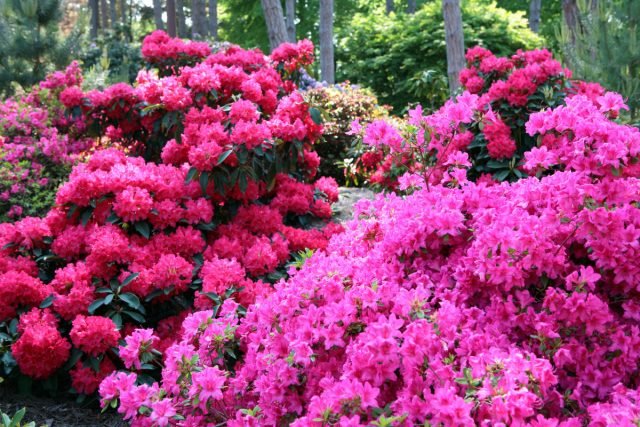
point(604, 46)
point(29, 44)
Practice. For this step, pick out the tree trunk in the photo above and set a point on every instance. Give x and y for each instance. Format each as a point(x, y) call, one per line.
point(389, 6)
point(157, 14)
point(570, 15)
point(95, 18)
point(534, 15)
point(290, 10)
point(104, 14)
point(171, 18)
point(213, 19)
point(411, 6)
point(327, 71)
point(180, 21)
point(123, 11)
point(112, 13)
point(199, 19)
point(276, 28)
point(454, 38)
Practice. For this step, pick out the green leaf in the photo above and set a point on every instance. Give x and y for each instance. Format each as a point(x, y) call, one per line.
point(502, 175)
point(130, 278)
point(117, 319)
point(224, 156)
point(73, 359)
point(191, 174)
point(18, 417)
point(143, 228)
point(135, 316)
point(108, 299)
point(315, 115)
point(47, 301)
point(494, 164)
point(204, 182)
point(95, 305)
point(131, 299)
point(86, 216)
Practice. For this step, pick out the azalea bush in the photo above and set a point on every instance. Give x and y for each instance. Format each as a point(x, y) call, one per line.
point(205, 192)
point(465, 303)
point(38, 145)
point(338, 149)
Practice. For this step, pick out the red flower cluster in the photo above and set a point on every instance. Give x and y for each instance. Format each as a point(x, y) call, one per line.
point(211, 210)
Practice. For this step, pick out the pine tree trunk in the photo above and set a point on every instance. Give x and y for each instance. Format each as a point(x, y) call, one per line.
point(104, 14)
point(534, 15)
point(171, 18)
point(411, 6)
point(290, 10)
point(157, 14)
point(454, 38)
point(95, 18)
point(199, 19)
point(272, 10)
point(213, 19)
point(180, 21)
point(389, 6)
point(570, 16)
point(123, 11)
point(112, 13)
point(327, 70)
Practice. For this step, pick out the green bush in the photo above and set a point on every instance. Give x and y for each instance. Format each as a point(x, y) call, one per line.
point(394, 54)
point(340, 106)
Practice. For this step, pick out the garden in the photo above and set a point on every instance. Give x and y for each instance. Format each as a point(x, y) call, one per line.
point(317, 213)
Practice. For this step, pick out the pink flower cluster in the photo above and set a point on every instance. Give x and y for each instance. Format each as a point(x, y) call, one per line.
point(475, 304)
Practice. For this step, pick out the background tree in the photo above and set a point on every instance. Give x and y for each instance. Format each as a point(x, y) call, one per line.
point(600, 41)
point(274, 19)
point(113, 14)
point(534, 15)
point(104, 14)
point(454, 39)
point(290, 11)
point(181, 23)
point(411, 6)
point(199, 19)
point(213, 19)
point(171, 18)
point(327, 65)
point(94, 5)
point(390, 6)
point(30, 45)
point(157, 14)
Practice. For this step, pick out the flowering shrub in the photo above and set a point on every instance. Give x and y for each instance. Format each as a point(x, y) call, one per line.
point(479, 303)
point(38, 145)
point(209, 211)
point(340, 155)
point(487, 121)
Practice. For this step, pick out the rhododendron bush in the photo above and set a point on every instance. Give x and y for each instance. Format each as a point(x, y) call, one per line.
point(487, 122)
point(38, 145)
point(464, 303)
point(204, 194)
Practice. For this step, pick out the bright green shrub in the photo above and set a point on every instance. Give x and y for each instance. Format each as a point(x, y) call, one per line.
point(390, 54)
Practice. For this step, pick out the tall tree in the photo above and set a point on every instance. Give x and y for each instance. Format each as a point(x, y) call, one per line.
point(180, 21)
point(157, 14)
point(570, 17)
point(327, 68)
point(198, 19)
point(290, 11)
point(454, 38)
point(534, 15)
point(95, 18)
point(112, 12)
point(123, 11)
point(390, 6)
point(171, 18)
point(276, 29)
point(411, 6)
point(213, 19)
point(104, 14)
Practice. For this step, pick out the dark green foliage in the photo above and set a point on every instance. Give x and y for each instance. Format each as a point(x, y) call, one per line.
point(391, 54)
point(29, 42)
